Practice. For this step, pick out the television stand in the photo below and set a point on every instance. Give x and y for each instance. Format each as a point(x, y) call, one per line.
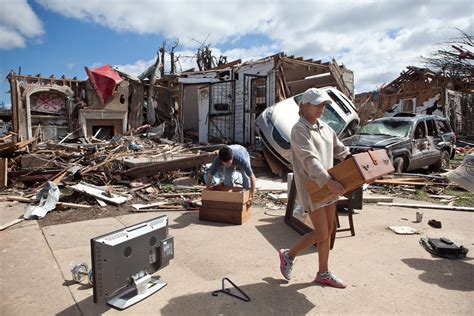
point(143, 286)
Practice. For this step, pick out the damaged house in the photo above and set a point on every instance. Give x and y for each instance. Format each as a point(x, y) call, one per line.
point(422, 91)
point(106, 104)
point(221, 104)
point(216, 105)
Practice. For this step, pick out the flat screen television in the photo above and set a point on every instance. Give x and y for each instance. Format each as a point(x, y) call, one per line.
point(124, 260)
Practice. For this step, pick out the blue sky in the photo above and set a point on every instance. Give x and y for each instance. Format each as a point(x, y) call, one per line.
point(375, 39)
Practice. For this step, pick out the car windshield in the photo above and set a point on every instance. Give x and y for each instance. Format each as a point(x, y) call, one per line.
point(386, 127)
point(330, 116)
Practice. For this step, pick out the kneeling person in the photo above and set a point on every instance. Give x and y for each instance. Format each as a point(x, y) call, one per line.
point(232, 158)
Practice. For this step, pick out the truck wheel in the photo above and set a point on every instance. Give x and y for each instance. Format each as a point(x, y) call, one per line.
point(444, 161)
point(399, 164)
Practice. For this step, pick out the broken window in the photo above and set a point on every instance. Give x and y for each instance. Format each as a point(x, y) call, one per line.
point(408, 105)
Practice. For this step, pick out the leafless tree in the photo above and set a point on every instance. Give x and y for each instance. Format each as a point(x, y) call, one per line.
point(455, 60)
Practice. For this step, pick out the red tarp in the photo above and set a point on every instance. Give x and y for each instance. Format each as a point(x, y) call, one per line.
point(104, 79)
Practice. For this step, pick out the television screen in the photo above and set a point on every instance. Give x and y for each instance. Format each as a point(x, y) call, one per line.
point(124, 260)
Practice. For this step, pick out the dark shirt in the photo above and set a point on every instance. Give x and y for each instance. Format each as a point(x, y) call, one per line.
point(240, 161)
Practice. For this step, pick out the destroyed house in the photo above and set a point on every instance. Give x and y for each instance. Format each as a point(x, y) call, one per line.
point(221, 104)
point(422, 91)
point(106, 104)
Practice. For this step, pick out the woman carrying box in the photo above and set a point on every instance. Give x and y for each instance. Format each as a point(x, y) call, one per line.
point(314, 145)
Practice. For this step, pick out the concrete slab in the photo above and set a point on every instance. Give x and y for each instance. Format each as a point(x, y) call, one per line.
point(386, 273)
point(77, 234)
point(30, 280)
point(10, 211)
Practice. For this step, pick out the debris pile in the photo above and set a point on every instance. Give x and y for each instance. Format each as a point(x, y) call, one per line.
point(93, 171)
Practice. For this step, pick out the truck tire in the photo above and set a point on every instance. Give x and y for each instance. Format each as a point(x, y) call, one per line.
point(399, 164)
point(444, 161)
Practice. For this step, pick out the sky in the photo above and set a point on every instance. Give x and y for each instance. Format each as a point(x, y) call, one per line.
point(377, 40)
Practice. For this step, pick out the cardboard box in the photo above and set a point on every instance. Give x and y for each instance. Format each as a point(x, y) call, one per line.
point(352, 173)
point(225, 205)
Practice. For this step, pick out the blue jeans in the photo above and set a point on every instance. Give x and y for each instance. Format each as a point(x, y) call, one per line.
point(230, 174)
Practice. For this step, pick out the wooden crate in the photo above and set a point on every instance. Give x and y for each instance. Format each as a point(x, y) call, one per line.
point(352, 173)
point(225, 205)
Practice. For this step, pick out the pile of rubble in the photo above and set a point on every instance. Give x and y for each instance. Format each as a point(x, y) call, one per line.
point(106, 171)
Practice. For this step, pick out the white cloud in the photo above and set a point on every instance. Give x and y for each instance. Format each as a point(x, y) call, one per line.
point(136, 68)
point(187, 59)
point(17, 23)
point(376, 39)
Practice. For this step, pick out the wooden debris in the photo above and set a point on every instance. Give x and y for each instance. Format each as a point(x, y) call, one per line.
point(171, 165)
point(16, 198)
point(73, 205)
point(3, 172)
point(447, 197)
point(100, 202)
point(159, 209)
point(168, 195)
point(99, 193)
point(275, 165)
point(12, 147)
point(11, 223)
point(403, 182)
point(438, 207)
point(140, 206)
point(376, 199)
point(30, 200)
point(282, 197)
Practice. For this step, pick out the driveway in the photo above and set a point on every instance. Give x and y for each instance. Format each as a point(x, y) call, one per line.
point(386, 273)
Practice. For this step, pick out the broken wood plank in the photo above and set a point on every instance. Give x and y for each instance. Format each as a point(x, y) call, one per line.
point(109, 159)
point(16, 198)
point(391, 177)
point(73, 205)
point(376, 199)
point(9, 148)
point(6, 137)
point(438, 207)
point(270, 190)
point(140, 206)
point(275, 165)
point(448, 197)
point(29, 200)
point(3, 172)
point(428, 176)
point(99, 193)
point(400, 182)
point(11, 223)
point(170, 165)
point(101, 203)
point(142, 187)
point(158, 209)
point(179, 194)
point(65, 137)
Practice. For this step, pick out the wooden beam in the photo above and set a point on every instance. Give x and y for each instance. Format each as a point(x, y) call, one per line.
point(3, 172)
point(170, 165)
point(437, 207)
point(11, 223)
